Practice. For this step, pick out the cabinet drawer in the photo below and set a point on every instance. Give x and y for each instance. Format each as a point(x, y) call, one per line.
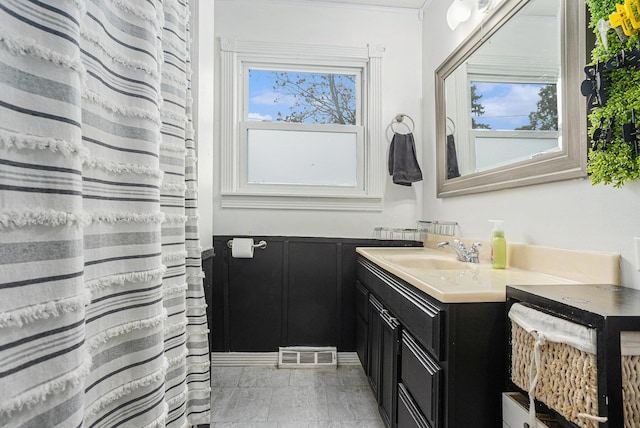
point(408, 414)
point(417, 313)
point(362, 297)
point(422, 378)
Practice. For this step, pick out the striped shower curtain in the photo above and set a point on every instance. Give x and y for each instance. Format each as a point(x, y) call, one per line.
point(102, 311)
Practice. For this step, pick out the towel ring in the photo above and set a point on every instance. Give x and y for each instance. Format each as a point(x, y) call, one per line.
point(453, 126)
point(399, 119)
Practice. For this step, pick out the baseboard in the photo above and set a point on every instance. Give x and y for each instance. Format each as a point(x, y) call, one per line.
point(237, 359)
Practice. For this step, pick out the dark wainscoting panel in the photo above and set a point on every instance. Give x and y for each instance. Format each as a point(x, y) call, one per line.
point(297, 291)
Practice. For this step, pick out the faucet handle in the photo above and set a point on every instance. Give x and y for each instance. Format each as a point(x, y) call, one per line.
point(443, 244)
point(460, 244)
point(473, 253)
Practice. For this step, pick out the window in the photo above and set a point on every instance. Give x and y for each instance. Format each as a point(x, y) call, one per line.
point(302, 127)
point(509, 106)
point(296, 127)
point(512, 119)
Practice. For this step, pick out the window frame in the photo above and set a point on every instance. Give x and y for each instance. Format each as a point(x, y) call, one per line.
point(240, 56)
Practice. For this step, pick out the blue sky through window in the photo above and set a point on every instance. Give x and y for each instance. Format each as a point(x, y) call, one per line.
point(302, 97)
point(507, 105)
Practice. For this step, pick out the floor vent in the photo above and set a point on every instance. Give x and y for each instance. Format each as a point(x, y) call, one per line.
point(301, 357)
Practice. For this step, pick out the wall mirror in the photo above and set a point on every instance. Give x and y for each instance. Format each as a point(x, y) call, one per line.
point(509, 111)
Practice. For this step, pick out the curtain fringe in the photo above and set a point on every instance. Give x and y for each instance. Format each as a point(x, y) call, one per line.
point(174, 187)
point(174, 328)
point(127, 217)
point(151, 18)
point(122, 110)
point(12, 219)
point(178, 80)
point(19, 141)
point(175, 290)
point(52, 218)
point(178, 9)
point(174, 256)
point(161, 421)
point(96, 341)
point(201, 333)
point(197, 249)
point(127, 62)
point(126, 389)
point(179, 359)
point(175, 218)
point(29, 47)
point(119, 168)
point(169, 115)
point(40, 311)
point(121, 279)
point(29, 399)
point(178, 398)
point(173, 148)
point(200, 306)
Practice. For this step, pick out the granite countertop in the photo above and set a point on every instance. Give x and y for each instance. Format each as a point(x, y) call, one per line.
point(437, 273)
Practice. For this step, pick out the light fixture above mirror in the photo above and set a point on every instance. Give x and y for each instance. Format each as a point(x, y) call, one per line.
point(458, 12)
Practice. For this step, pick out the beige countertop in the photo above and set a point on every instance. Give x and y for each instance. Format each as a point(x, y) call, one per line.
point(438, 273)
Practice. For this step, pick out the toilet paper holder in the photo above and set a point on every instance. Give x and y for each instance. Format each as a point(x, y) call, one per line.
point(262, 244)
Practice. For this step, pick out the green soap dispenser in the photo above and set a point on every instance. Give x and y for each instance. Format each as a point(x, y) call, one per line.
point(498, 245)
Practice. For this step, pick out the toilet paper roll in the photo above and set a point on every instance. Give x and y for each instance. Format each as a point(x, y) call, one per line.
point(242, 248)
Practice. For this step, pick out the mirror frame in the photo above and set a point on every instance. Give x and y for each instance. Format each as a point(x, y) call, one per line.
point(568, 163)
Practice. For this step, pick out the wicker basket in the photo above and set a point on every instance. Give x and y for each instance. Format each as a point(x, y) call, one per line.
point(568, 381)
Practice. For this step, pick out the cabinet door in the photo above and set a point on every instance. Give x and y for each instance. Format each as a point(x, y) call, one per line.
point(373, 348)
point(422, 378)
point(362, 329)
point(408, 414)
point(362, 301)
point(362, 322)
point(388, 368)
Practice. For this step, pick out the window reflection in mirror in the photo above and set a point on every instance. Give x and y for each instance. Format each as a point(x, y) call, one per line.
point(507, 106)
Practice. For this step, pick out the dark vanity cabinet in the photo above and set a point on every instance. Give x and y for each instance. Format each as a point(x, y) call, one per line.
point(430, 364)
point(380, 338)
point(388, 382)
point(374, 345)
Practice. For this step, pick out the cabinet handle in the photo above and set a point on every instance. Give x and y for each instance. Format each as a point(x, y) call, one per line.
point(384, 311)
point(392, 319)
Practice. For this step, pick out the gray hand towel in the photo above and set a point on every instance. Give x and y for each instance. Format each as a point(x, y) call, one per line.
point(403, 165)
point(452, 158)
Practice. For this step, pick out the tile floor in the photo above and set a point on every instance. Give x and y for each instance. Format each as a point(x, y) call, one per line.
point(268, 397)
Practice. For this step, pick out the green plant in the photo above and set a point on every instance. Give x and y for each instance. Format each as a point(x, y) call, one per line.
point(618, 162)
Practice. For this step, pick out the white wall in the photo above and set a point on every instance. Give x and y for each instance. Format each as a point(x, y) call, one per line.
point(202, 87)
point(570, 214)
point(399, 31)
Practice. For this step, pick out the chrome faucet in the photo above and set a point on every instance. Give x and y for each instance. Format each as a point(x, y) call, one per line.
point(462, 254)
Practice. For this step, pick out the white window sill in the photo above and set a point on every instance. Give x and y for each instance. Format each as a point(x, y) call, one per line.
point(297, 202)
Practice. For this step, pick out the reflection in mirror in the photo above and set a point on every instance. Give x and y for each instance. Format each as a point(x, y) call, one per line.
point(507, 109)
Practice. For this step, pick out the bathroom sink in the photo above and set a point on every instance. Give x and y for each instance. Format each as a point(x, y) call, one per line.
point(428, 262)
point(439, 274)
